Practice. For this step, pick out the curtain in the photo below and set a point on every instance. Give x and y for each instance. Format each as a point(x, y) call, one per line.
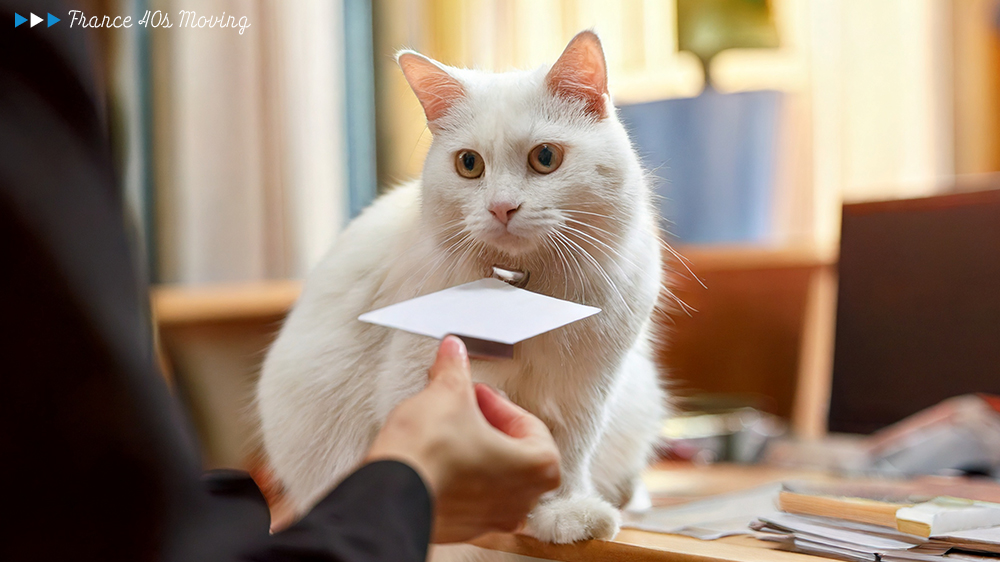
point(249, 140)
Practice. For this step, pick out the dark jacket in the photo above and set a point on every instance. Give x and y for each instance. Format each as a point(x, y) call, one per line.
point(96, 458)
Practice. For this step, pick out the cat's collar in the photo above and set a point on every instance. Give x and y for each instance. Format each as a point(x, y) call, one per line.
point(513, 277)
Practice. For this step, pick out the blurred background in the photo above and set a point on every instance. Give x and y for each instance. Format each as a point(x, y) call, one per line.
point(243, 156)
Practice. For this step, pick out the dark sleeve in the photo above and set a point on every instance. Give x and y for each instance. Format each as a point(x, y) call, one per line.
point(98, 459)
point(381, 512)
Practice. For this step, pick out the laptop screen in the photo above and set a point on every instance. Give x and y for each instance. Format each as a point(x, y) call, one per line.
point(918, 309)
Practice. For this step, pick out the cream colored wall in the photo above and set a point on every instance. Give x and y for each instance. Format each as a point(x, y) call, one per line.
point(896, 94)
point(880, 88)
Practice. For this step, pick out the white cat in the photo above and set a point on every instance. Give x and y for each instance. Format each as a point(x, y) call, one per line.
point(530, 170)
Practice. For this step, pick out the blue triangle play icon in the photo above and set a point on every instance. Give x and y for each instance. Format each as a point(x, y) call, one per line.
point(19, 19)
point(52, 20)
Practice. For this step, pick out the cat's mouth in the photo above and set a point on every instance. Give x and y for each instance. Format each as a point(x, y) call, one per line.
point(524, 237)
point(510, 243)
point(519, 238)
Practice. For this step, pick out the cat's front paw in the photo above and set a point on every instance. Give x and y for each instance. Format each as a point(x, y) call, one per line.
point(565, 520)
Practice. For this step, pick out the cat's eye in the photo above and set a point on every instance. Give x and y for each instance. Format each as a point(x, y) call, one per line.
point(469, 164)
point(545, 158)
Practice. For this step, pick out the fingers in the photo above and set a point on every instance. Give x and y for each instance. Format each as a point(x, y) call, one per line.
point(533, 444)
point(452, 363)
point(505, 415)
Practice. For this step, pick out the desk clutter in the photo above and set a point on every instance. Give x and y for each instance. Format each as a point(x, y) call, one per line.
point(960, 435)
point(927, 519)
point(862, 542)
point(924, 488)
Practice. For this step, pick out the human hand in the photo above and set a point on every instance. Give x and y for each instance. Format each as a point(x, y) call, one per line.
point(485, 459)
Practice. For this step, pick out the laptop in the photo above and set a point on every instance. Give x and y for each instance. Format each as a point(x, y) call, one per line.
point(918, 309)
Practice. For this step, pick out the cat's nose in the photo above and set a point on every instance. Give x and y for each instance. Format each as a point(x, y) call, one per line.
point(503, 211)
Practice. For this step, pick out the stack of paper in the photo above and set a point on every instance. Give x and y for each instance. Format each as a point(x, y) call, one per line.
point(862, 542)
point(910, 513)
point(841, 539)
point(853, 528)
point(976, 540)
point(945, 515)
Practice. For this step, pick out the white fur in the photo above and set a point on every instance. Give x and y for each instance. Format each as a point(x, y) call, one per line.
point(329, 381)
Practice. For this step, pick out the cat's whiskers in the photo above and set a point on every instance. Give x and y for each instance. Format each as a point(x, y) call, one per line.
point(444, 257)
point(616, 254)
point(456, 257)
point(600, 269)
point(431, 266)
point(550, 244)
point(589, 225)
point(663, 243)
point(683, 260)
point(579, 268)
point(597, 221)
point(599, 215)
point(470, 244)
point(688, 309)
point(613, 257)
point(578, 284)
point(482, 253)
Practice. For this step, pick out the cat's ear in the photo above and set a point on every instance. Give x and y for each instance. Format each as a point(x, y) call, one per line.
point(581, 74)
point(436, 89)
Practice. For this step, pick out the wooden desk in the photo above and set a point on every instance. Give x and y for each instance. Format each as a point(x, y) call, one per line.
point(672, 483)
point(675, 483)
point(641, 546)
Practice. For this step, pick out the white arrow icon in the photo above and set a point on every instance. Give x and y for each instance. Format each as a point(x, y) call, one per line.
point(35, 20)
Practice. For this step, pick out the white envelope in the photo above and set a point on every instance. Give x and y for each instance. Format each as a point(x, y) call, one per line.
point(489, 315)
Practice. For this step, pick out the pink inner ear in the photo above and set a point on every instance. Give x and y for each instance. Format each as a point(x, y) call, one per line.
point(435, 88)
point(581, 73)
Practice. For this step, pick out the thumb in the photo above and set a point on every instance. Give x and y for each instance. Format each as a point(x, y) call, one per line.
point(507, 416)
point(452, 363)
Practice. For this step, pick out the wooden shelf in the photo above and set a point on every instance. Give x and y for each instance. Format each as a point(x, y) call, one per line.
point(186, 304)
point(764, 328)
point(191, 304)
point(708, 258)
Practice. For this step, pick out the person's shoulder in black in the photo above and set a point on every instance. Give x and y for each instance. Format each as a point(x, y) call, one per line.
point(98, 461)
